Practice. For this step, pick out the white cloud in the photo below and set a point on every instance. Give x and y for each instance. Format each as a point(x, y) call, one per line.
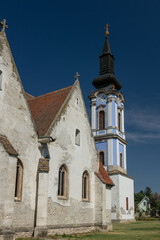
point(143, 137)
point(143, 124)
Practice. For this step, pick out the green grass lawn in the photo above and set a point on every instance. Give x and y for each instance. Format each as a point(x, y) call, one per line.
point(140, 230)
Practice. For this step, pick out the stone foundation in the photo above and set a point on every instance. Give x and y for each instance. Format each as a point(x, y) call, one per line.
point(13, 233)
point(60, 230)
point(7, 234)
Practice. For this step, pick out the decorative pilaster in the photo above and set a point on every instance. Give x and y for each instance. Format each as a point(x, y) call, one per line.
point(123, 119)
point(109, 112)
point(116, 114)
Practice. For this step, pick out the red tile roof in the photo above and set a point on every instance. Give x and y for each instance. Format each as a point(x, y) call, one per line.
point(44, 108)
point(103, 175)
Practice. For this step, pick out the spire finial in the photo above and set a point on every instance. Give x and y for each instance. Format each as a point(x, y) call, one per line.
point(77, 76)
point(107, 32)
point(3, 25)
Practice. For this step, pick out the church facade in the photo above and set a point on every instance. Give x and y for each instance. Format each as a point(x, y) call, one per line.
point(51, 178)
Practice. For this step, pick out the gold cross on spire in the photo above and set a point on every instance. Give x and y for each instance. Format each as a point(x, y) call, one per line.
point(3, 25)
point(77, 76)
point(107, 32)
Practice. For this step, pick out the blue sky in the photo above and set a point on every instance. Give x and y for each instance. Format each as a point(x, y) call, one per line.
point(51, 40)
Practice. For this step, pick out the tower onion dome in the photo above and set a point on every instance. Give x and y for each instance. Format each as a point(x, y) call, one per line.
point(106, 75)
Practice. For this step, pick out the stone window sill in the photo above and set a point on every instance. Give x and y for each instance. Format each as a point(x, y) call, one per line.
point(62, 198)
point(85, 200)
point(17, 199)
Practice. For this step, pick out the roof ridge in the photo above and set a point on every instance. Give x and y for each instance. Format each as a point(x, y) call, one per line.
point(35, 98)
point(30, 95)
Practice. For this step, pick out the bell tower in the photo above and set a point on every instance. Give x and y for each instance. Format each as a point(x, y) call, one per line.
point(107, 113)
point(107, 123)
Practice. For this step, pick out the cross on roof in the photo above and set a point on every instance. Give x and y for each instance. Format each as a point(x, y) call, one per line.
point(3, 25)
point(77, 76)
point(107, 32)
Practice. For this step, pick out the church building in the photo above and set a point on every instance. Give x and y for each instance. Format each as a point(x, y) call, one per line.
point(57, 174)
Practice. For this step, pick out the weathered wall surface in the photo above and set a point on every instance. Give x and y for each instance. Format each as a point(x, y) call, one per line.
point(124, 188)
point(7, 174)
point(98, 201)
point(19, 129)
point(77, 159)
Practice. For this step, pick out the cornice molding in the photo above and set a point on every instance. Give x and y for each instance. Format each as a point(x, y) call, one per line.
point(121, 108)
point(93, 103)
point(109, 100)
point(116, 172)
point(109, 136)
point(101, 106)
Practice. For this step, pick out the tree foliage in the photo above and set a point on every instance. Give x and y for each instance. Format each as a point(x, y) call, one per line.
point(138, 197)
point(148, 192)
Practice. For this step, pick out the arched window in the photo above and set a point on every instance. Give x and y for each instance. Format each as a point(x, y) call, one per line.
point(101, 157)
point(85, 186)
point(121, 160)
point(101, 120)
point(77, 137)
point(62, 181)
point(19, 179)
point(119, 121)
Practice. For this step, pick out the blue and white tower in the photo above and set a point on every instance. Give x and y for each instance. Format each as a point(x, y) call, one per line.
point(107, 122)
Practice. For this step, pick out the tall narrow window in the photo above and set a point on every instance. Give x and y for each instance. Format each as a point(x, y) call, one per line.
point(127, 203)
point(101, 157)
point(121, 160)
point(101, 120)
point(77, 137)
point(19, 179)
point(0, 80)
point(62, 181)
point(85, 186)
point(119, 121)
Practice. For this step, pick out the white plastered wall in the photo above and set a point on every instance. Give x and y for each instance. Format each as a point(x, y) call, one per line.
point(16, 124)
point(126, 190)
point(77, 159)
point(123, 188)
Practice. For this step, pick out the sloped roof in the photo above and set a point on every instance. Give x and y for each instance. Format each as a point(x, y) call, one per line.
point(8, 146)
point(44, 108)
point(29, 96)
point(103, 175)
